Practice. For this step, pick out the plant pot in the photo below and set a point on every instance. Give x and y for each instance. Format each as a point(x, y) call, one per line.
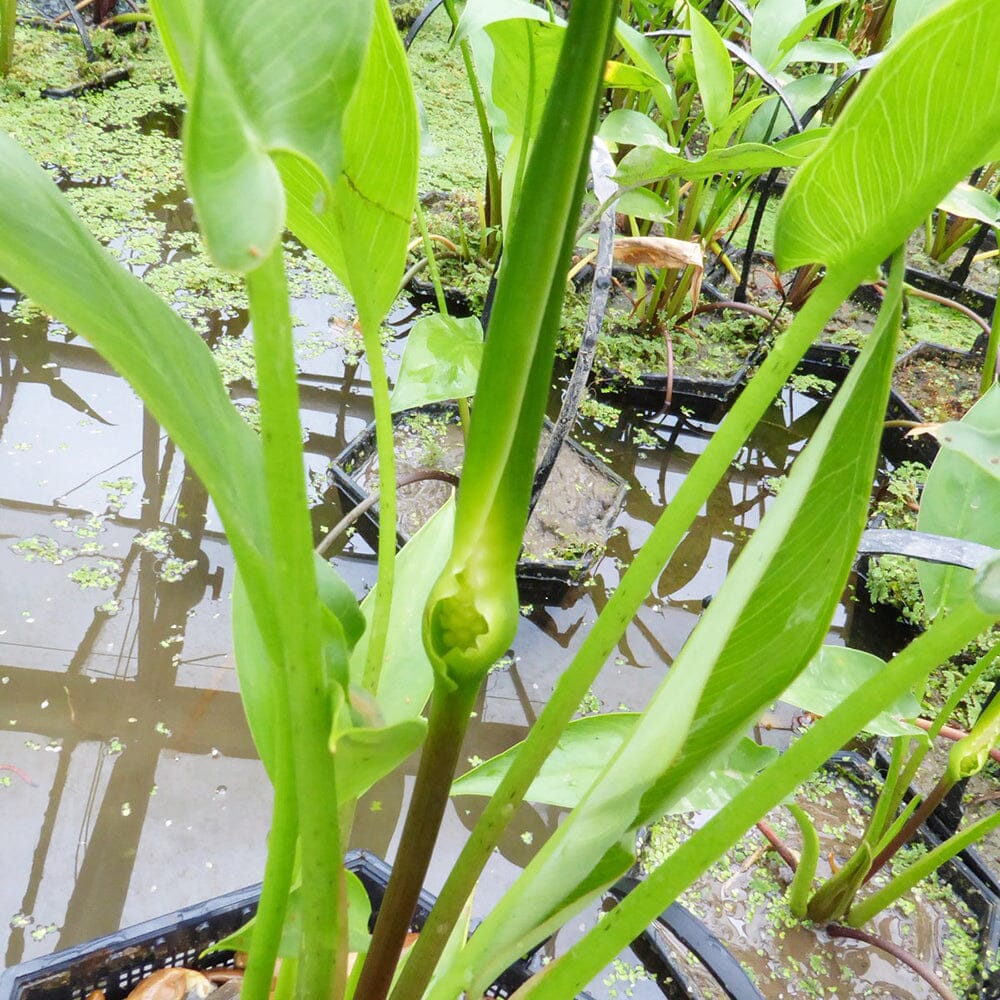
point(581, 488)
point(677, 929)
point(931, 383)
point(704, 397)
point(117, 962)
point(979, 302)
point(743, 902)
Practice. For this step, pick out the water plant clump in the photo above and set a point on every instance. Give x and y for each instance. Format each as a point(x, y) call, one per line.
point(744, 899)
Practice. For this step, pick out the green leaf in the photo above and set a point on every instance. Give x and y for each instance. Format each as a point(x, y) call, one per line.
point(968, 202)
point(773, 21)
point(632, 128)
point(359, 911)
point(729, 775)
point(642, 203)
point(257, 672)
point(895, 152)
point(713, 68)
point(369, 211)
point(361, 232)
point(645, 164)
point(583, 751)
point(366, 754)
point(525, 53)
point(440, 361)
point(479, 14)
point(407, 677)
point(251, 99)
point(772, 117)
point(907, 13)
point(648, 60)
point(821, 50)
point(47, 253)
point(961, 498)
point(837, 672)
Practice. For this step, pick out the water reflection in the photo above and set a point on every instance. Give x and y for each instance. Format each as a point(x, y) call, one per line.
point(119, 696)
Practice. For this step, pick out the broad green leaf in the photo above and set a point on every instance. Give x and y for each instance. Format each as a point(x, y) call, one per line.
point(632, 128)
point(968, 202)
point(440, 361)
point(372, 203)
point(627, 77)
point(177, 24)
point(407, 678)
point(961, 498)
point(772, 117)
point(47, 253)
point(801, 29)
point(713, 67)
point(361, 232)
point(773, 20)
point(730, 774)
point(366, 754)
point(585, 749)
point(895, 151)
point(767, 621)
point(836, 672)
point(822, 50)
point(479, 14)
point(525, 53)
point(907, 13)
point(648, 60)
point(258, 674)
point(266, 84)
point(986, 587)
point(642, 203)
point(645, 163)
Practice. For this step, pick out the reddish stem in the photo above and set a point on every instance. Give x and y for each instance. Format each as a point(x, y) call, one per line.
point(920, 968)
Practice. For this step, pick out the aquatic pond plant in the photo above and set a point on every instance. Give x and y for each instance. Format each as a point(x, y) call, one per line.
point(310, 123)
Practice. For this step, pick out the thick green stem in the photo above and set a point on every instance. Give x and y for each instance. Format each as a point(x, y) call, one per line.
point(385, 446)
point(602, 639)
point(8, 19)
point(279, 869)
point(294, 589)
point(805, 871)
point(449, 718)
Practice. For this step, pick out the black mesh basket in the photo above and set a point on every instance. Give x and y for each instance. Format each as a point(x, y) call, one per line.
point(117, 962)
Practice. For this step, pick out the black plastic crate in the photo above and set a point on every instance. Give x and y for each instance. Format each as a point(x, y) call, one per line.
point(117, 962)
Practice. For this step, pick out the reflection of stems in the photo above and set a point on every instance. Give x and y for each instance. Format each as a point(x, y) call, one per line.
point(920, 968)
point(449, 718)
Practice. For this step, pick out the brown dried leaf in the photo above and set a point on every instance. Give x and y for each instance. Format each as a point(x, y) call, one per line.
point(658, 251)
